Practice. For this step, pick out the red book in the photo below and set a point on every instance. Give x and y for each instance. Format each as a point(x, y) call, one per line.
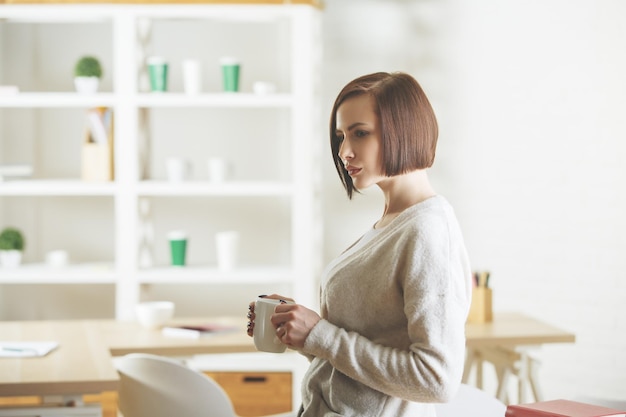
point(561, 408)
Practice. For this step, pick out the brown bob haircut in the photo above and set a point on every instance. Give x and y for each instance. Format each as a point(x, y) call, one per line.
point(407, 123)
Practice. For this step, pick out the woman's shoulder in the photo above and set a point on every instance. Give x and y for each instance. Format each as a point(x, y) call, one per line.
point(433, 208)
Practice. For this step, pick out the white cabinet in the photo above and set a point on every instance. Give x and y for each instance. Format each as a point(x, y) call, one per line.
point(270, 142)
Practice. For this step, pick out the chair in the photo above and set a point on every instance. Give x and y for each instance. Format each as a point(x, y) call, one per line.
point(471, 402)
point(156, 386)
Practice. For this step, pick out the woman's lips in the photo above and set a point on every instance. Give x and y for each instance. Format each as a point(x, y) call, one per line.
point(352, 171)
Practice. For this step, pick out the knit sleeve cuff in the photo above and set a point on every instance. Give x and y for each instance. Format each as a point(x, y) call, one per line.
point(319, 342)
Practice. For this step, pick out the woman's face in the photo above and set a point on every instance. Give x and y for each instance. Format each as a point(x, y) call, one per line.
point(358, 128)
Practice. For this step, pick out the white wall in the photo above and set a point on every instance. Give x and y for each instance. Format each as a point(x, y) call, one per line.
point(530, 96)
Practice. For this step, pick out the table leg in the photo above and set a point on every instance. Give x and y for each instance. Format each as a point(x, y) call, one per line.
point(533, 379)
point(469, 362)
point(503, 373)
point(473, 359)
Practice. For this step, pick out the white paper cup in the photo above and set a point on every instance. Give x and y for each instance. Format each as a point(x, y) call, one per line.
point(178, 169)
point(227, 244)
point(217, 168)
point(192, 76)
point(265, 338)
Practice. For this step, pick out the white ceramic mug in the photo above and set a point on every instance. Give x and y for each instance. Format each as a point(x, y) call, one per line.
point(264, 334)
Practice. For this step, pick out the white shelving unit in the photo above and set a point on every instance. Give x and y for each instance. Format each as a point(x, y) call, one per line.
point(272, 141)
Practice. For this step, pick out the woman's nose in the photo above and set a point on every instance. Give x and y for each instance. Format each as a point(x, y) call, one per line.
point(345, 152)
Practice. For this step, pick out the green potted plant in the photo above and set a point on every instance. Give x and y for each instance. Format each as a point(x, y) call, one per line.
point(11, 247)
point(87, 74)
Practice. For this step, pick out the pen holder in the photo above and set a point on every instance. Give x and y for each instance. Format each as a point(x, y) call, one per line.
point(480, 309)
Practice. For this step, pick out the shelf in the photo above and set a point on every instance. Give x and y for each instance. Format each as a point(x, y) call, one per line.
point(239, 100)
point(56, 188)
point(146, 100)
point(271, 139)
point(212, 275)
point(32, 273)
point(205, 188)
point(56, 100)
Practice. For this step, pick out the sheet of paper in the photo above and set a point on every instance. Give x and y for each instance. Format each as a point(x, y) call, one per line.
point(26, 349)
point(195, 332)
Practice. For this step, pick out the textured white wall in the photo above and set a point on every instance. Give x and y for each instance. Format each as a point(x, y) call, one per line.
point(530, 96)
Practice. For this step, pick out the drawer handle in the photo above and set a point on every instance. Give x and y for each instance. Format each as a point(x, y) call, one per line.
point(255, 379)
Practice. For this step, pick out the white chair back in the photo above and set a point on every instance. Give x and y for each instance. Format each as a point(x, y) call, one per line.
point(155, 386)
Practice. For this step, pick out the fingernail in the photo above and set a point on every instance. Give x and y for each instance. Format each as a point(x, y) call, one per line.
point(262, 295)
point(283, 301)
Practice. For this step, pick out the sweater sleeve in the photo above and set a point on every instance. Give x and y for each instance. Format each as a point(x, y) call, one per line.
point(433, 275)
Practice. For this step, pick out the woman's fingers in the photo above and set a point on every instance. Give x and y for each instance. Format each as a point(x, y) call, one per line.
point(293, 323)
point(251, 316)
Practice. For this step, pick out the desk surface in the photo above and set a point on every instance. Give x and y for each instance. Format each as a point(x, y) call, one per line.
point(515, 329)
point(82, 362)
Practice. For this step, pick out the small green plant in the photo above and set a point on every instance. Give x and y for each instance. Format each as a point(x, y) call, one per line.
point(88, 66)
point(11, 239)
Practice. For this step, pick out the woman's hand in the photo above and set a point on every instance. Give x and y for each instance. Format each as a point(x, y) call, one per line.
point(251, 316)
point(293, 323)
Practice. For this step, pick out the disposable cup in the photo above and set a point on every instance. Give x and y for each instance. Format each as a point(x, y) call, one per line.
point(192, 76)
point(157, 70)
point(227, 244)
point(230, 73)
point(178, 247)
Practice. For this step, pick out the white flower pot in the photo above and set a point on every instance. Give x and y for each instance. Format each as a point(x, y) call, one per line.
point(86, 85)
point(10, 258)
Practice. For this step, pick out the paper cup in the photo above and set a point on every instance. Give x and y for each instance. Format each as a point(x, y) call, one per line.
point(230, 74)
point(178, 247)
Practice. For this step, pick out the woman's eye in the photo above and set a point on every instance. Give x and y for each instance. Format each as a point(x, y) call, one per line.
point(360, 133)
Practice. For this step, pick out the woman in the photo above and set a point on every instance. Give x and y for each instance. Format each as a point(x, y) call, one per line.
point(390, 338)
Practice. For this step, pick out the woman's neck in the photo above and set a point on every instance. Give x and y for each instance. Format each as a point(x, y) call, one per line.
point(402, 192)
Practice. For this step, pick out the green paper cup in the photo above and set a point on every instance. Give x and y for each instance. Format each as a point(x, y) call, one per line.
point(178, 247)
point(157, 69)
point(230, 74)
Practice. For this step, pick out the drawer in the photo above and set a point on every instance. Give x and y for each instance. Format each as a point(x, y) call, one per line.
point(256, 393)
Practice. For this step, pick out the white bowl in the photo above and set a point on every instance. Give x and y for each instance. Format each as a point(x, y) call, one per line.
point(154, 314)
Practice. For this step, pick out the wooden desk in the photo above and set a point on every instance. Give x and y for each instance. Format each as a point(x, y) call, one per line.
point(515, 329)
point(82, 363)
point(121, 338)
point(507, 343)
